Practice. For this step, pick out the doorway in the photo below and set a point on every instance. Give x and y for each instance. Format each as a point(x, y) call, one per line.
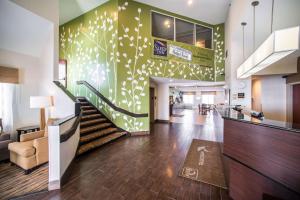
point(152, 105)
point(296, 106)
point(256, 95)
point(62, 72)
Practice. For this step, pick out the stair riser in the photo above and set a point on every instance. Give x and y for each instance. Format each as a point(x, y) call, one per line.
point(89, 113)
point(87, 119)
point(90, 117)
point(85, 126)
point(95, 138)
point(87, 108)
point(93, 130)
point(92, 124)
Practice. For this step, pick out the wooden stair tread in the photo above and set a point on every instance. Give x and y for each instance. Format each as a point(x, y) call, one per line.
point(92, 121)
point(97, 134)
point(92, 116)
point(89, 111)
point(87, 107)
point(99, 142)
point(94, 128)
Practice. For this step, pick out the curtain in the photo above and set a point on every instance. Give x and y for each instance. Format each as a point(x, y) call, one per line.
point(7, 92)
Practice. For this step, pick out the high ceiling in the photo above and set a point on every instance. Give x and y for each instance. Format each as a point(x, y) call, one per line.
point(70, 9)
point(210, 11)
point(22, 31)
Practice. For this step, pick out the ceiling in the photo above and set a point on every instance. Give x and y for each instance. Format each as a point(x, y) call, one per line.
point(185, 83)
point(22, 31)
point(70, 9)
point(210, 11)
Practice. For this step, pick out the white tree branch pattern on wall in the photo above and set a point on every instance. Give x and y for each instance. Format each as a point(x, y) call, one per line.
point(114, 56)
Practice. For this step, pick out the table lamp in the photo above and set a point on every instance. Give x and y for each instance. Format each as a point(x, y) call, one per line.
point(41, 102)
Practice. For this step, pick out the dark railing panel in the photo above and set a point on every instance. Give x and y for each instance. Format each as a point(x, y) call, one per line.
point(108, 102)
point(70, 132)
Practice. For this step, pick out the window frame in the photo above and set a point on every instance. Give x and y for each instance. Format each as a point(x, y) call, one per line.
point(194, 31)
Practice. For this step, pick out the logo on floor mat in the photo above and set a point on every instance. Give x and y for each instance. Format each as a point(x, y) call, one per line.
point(190, 173)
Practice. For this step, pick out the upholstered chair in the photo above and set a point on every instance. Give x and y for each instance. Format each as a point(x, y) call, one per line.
point(4, 141)
point(31, 151)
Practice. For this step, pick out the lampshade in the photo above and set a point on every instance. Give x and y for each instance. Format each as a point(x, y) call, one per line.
point(41, 101)
point(278, 45)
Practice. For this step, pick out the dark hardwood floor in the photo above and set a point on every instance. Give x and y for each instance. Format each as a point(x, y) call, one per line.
point(144, 167)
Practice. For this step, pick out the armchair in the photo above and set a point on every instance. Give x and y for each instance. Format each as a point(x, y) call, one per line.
point(31, 151)
point(4, 141)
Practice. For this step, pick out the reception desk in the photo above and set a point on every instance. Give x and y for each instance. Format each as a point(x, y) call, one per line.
point(261, 157)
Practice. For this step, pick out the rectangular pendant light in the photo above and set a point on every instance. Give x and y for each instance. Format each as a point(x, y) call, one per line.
point(278, 45)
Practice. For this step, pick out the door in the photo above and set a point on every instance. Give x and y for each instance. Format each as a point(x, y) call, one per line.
point(62, 72)
point(152, 104)
point(256, 95)
point(296, 106)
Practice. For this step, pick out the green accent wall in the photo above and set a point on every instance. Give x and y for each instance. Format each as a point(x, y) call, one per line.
point(111, 48)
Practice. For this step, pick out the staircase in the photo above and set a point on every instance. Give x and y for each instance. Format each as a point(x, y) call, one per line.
point(95, 129)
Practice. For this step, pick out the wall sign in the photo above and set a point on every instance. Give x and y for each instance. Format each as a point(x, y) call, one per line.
point(180, 52)
point(160, 48)
point(241, 95)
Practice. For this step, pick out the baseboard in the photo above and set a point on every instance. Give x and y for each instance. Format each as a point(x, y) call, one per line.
point(162, 121)
point(139, 133)
point(54, 185)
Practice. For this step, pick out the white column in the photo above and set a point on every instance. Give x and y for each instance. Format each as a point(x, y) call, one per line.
point(163, 102)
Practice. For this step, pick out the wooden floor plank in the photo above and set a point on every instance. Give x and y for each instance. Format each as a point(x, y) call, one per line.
point(144, 167)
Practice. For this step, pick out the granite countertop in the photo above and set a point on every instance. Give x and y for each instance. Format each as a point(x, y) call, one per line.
point(229, 113)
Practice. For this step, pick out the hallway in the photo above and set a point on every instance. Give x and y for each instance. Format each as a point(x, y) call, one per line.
point(191, 116)
point(143, 167)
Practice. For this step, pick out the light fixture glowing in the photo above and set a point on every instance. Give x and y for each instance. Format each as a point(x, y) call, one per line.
point(190, 2)
point(200, 43)
point(167, 23)
point(278, 45)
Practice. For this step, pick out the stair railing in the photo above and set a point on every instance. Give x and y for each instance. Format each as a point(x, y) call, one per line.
point(108, 102)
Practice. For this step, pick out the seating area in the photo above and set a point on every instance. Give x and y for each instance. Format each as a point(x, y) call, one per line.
point(31, 151)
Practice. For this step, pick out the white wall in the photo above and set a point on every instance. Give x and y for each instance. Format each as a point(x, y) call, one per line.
point(63, 105)
point(286, 14)
point(273, 97)
point(220, 97)
point(50, 11)
point(28, 66)
point(163, 101)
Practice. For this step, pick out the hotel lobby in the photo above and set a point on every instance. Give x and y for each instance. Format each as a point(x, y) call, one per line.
point(148, 99)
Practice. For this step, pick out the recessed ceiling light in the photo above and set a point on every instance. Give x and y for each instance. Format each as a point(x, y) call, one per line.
point(190, 2)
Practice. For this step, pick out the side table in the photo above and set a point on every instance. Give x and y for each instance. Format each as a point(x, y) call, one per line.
point(25, 130)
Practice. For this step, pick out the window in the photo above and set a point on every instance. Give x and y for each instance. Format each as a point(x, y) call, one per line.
point(208, 99)
point(7, 92)
point(162, 26)
point(188, 99)
point(203, 37)
point(184, 32)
